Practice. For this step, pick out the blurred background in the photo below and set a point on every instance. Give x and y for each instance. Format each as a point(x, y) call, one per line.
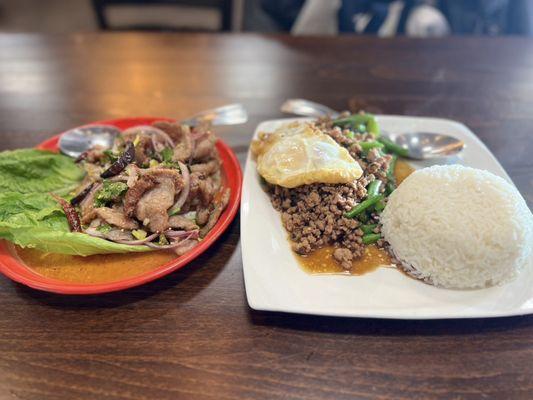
point(418, 18)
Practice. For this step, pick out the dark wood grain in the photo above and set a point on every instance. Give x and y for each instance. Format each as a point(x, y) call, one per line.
point(191, 335)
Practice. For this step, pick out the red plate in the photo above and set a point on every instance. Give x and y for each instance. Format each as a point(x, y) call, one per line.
point(11, 266)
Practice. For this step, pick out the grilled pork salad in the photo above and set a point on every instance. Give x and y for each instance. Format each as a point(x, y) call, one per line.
point(158, 187)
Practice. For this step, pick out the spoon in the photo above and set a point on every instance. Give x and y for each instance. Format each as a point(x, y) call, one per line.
point(77, 140)
point(419, 145)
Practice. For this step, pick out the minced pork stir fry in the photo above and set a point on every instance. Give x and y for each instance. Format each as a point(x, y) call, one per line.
point(158, 186)
point(343, 215)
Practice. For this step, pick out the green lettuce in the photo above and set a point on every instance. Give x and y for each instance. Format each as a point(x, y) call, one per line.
point(29, 217)
point(30, 171)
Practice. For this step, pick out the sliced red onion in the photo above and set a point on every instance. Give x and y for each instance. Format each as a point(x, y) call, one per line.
point(175, 234)
point(164, 246)
point(180, 234)
point(150, 130)
point(175, 244)
point(140, 241)
point(185, 191)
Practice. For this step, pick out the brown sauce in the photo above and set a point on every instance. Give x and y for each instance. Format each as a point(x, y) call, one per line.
point(321, 261)
point(92, 269)
point(402, 171)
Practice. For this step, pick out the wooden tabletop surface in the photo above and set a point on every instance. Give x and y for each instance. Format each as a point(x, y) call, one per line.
point(191, 335)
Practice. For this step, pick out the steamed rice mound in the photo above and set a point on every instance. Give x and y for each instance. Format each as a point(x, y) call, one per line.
point(458, 227)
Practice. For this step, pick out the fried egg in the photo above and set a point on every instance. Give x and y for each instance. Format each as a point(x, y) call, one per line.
point(300, 154)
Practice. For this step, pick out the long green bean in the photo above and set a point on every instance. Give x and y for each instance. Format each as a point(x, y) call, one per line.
point(354, 121)
point(373, 188)
point(394, 148)
point(380, 206)
point(371, 145)
point(363, 206)
point(368, 228)
point(371, 238)
point(363, 217)
point(391, 178)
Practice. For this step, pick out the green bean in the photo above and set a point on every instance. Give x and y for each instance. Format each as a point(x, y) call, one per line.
point(371, 145)
point(363, 206)
point(363, 217)
point(371, 238)
point(394, 148)
point(354, 121)
point(380, 206)
point(369, 228)
point(391, 178)
point(373, 188)
point(372, 127)
point(391, 187)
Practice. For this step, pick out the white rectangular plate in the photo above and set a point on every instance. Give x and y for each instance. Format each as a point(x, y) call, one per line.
point(275, 281)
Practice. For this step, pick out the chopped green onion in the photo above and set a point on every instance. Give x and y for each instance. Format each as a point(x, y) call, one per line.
point(110, 191)
point(350, 135)
point(139, 234)
point(153, 163)
point(167, 153)
point(112, 157)
point(104, 228)
point(163, 240)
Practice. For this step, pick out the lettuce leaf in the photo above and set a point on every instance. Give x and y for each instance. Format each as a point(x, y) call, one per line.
point(29, 217)
point(38, 171)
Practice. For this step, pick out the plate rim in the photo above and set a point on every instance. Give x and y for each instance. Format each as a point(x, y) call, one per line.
point(266, 305)
point(11, 267)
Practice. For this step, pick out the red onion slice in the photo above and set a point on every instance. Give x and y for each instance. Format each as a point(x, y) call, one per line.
point(151, 131)
point(185, 191)
point(181, 234)
point(140, 241)
point(173, 245)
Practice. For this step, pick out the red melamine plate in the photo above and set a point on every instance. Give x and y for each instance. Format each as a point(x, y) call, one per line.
point(11, 266)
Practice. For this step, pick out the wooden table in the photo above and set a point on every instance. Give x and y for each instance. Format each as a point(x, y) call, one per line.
point(191, 335)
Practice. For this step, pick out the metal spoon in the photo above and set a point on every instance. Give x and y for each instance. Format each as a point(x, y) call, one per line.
point(419, 145)
point(77, 140)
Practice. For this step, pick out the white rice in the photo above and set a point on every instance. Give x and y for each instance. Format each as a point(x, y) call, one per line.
point(459, 227)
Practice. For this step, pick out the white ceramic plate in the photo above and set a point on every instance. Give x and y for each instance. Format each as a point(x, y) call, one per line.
point(275, 281)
